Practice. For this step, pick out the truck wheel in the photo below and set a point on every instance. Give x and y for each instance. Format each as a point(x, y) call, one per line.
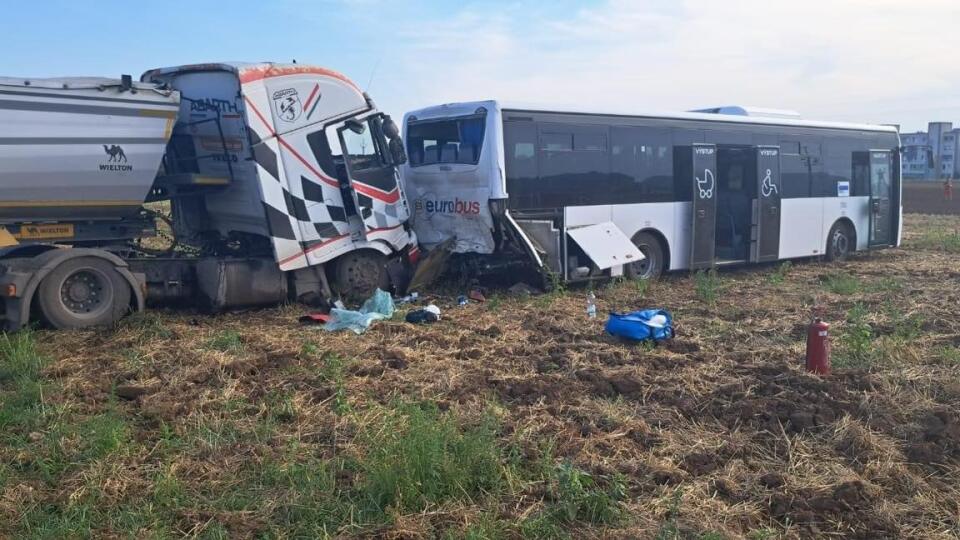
point(652, 265)
point(85, 291)
point(360, 273)
point(840, 242)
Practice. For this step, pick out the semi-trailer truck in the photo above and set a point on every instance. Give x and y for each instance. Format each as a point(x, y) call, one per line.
point(268, 182)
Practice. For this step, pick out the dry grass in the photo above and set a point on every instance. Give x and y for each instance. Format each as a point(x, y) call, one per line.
point(515, 418)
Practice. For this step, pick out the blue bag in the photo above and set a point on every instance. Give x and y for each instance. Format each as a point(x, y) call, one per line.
point(638, 326)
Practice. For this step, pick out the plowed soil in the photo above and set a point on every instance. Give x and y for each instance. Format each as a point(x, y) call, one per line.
point(720, 433)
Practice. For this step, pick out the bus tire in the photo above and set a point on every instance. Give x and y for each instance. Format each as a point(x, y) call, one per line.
point(82, 292)
point(840, 242)
point(359, 273)
point(654, 260)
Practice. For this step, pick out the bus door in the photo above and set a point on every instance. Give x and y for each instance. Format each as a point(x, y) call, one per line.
point(704, 207)
point(881, 198)
point(765, 240)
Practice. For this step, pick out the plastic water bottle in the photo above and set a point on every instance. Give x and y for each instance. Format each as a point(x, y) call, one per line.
point(591, 305)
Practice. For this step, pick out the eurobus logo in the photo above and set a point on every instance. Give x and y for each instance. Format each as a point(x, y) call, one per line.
point(455, 206)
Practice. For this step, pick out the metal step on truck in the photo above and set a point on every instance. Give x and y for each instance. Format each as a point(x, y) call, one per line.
point(224, 185)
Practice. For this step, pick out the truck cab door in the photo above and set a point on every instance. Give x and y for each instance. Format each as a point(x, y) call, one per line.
point(765, 245)
point(374, 185)
point(704, 206)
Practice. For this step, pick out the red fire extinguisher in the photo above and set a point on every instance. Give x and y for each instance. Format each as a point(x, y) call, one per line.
point(818, 347)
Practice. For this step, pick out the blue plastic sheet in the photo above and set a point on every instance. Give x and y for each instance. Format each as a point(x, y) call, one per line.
point(377, 307)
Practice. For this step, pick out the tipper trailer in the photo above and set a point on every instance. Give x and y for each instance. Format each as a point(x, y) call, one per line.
point(270, 182)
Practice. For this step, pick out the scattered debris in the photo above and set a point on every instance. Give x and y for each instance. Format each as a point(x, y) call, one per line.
point(428, 314)
point(522, 289)
point(315, 318)
point(477, 295)
point(377, 307)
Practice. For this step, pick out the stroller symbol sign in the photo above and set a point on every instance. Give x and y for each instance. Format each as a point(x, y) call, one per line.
point(706, 185)
point(768, 188)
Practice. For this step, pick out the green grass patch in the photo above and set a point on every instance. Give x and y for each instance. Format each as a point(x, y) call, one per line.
point(779, 275)
point(841, 283)
point(708, 285)
point(419, 457)
point(226, 341)
point(572, 496)
point(938, 240)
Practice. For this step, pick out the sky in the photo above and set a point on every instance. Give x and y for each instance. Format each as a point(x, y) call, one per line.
point(875, 61)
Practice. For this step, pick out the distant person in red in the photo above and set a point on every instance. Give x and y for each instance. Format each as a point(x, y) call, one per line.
point(948, 189)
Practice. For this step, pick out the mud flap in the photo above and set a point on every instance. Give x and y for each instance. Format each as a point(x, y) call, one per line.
point(606, 245)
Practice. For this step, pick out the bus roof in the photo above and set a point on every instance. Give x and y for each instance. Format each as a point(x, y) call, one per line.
point(469, 107)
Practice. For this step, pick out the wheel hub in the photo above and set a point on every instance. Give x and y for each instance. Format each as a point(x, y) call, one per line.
point(82, 292)
point(643, 268)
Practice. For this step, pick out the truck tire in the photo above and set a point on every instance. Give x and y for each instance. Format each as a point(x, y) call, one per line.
point(652, 266)
point(359, 273)
point(81, 292)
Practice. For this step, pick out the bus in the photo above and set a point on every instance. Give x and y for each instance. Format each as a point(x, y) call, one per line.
point(585, 195)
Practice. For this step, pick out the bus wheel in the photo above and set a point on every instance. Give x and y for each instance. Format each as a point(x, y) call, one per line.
point(652, 265)
point(840, 242)
point(85, 291)
point(359, 273)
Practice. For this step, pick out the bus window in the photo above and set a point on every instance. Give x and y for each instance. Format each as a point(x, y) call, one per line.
point(794, 170)
point(642, 164)
point(556, 142)
point(452, 140)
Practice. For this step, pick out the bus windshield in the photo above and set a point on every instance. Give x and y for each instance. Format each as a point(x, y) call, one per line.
point(450, 140)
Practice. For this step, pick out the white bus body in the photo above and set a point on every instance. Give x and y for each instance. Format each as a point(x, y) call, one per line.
point(488, 174)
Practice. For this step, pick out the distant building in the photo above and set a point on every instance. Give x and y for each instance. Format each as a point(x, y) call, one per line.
point(931, 154)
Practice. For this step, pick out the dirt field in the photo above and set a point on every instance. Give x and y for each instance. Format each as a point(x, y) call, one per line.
point(928, 198)
point(513, 418)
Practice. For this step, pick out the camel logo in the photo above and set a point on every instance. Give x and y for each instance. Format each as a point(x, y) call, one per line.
point(116, 153)
point(288, 104)
point(117, 160)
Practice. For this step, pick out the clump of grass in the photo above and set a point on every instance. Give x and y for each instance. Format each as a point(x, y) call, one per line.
point(780, 274)
point(885, 285)
point(949, 355)
point(841, 283)
point(420, 457)
point(939, 240)
point(855, 340)
point(19, 359)
point(669, 529)
point(708, 285)
point(574, 496)
point(226, 341)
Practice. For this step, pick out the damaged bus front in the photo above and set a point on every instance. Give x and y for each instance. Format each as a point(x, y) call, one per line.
point(457, 180)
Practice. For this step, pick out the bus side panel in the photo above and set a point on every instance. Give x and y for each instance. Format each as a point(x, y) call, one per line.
point(660, 217)
point(801, 220)
point(856, 209)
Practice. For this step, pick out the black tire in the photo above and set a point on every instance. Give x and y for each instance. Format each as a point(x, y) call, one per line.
point(359, 273)
point(81, 292)
point(841, 241)
point(653, 264)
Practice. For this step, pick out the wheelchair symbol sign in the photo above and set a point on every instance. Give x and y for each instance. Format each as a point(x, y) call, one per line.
point(768, 188)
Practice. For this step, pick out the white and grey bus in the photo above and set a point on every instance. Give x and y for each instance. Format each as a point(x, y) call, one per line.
point(587, 195)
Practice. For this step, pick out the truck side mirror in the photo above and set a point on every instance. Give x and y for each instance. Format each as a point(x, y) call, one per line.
point(397, 151)
point(355, 126)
